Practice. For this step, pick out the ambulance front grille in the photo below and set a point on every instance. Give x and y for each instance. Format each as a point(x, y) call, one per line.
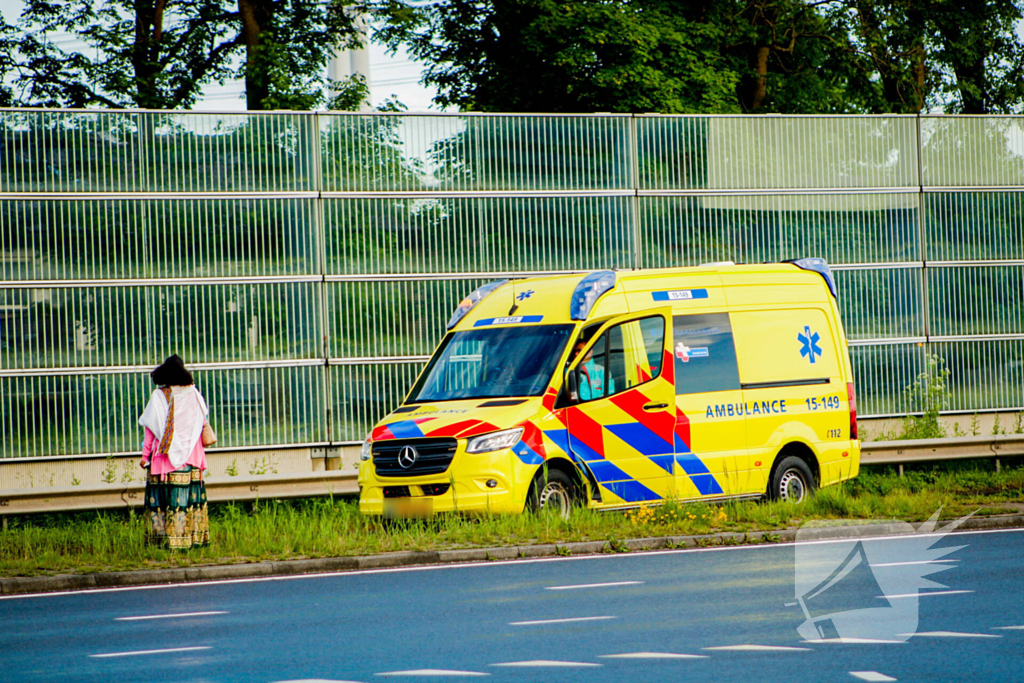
point(433, 457)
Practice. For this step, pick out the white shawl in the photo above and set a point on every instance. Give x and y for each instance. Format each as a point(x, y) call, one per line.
point(189, 415)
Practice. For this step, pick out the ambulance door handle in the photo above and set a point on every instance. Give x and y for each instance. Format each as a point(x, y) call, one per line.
point(655, 406)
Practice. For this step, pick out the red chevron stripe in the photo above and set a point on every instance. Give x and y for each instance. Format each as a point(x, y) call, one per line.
point(586, 429)
point(533, 438)
point(660, 422)
point(668, 368)
point(549, 398)
point(381, 433)
point(453, 429)
point(683, 427)
point(481, 428)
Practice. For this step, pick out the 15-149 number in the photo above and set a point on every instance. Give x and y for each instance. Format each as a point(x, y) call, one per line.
point(823, 403)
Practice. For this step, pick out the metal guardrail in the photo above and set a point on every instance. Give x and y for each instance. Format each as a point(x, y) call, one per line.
point(108, 496)
point(313, 484)
point(937, 450)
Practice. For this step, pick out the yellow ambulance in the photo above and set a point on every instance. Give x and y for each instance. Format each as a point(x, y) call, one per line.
point(619, 388)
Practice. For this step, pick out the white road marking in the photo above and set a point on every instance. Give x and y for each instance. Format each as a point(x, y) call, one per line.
point(921, 595)
point(653, 655)
point(905, 564)
point(168, 616)
point(557, 621)
point(855, 641)
point(432, 672)
point(758, 648)
point(1010, 628)
point(593, 585)
point(150, 652)
point(871, 676)
point(316, 680)
point(546, 662)
point(482, 564)
point(950, 634)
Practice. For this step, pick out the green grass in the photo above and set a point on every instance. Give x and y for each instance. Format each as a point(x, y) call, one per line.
point(276, 530)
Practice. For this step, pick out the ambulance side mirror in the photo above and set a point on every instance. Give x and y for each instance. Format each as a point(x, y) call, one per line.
point(570, 382)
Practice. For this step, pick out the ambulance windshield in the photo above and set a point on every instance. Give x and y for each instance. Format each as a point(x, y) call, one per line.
point(493, 362)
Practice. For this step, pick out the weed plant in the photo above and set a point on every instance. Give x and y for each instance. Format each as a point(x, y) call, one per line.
point(333, 527)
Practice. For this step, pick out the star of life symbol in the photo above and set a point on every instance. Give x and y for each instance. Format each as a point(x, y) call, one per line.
point(525, 295)
point(810, 343)
point(862, 588)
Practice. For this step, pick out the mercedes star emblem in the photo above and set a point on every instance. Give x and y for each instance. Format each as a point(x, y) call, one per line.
point(407, 457)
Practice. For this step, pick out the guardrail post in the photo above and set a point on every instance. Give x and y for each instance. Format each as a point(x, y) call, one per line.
point(901, 469)
point(997, 465)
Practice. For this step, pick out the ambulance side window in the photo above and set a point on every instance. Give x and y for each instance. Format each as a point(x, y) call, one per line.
point(705, 355)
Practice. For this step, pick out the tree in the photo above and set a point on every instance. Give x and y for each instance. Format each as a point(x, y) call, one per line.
point(721, 56)
point(623, 55)
point(158, 54)
point(952, 56)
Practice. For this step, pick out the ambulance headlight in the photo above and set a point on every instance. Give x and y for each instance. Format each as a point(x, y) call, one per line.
point(495, 441)
point(366, 452)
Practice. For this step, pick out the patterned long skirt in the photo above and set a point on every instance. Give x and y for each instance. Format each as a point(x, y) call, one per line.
point(176, 513)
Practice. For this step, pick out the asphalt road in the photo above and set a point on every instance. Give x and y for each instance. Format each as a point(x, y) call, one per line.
point(557, 619)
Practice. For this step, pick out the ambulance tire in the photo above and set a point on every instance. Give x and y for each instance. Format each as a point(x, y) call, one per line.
point(553, 491)
point(791, 481)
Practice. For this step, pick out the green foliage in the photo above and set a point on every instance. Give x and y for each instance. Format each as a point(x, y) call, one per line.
point(158, 54)
point(329, 527)
point(110, 470)
point(784, 56)
point(927, 395)
point(629, 56)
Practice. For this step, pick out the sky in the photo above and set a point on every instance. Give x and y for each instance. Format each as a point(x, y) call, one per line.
point(390, 76)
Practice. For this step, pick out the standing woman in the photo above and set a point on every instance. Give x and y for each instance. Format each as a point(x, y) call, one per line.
point(175, 458)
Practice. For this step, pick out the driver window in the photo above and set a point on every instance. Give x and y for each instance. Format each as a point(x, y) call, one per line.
point(620, 359)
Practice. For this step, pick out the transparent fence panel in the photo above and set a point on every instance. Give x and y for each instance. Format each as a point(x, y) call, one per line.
point(266, 406)
point(373, 153)
point(131, 238)
point(363, 394)
point(971, 226)
point(227, 152)
point(44, 151)
point(768, 152)
point(406, 318)
point(881, 375)
point(56, 415)
point(878, 304)
point(984, 375)
point(155, 152)
point(99, 326)
point(686, 231)
point(958, 151)
point(99, 413)
point(474, 235)
point(975, 300)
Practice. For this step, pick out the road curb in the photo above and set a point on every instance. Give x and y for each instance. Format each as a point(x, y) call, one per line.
point(148, 577)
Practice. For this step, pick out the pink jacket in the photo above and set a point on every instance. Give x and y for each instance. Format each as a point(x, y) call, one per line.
point(161, 464)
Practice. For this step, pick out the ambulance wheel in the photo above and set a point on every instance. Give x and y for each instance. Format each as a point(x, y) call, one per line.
point(792, 481)
point(552, 491)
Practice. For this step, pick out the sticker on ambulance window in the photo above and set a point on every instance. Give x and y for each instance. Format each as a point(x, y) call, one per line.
point(509, 320)
point(680, 295)
point(685, 353)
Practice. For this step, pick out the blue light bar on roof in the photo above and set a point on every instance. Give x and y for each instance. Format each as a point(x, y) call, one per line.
point(818, 265)
point(588, 291)
point(467, 304)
